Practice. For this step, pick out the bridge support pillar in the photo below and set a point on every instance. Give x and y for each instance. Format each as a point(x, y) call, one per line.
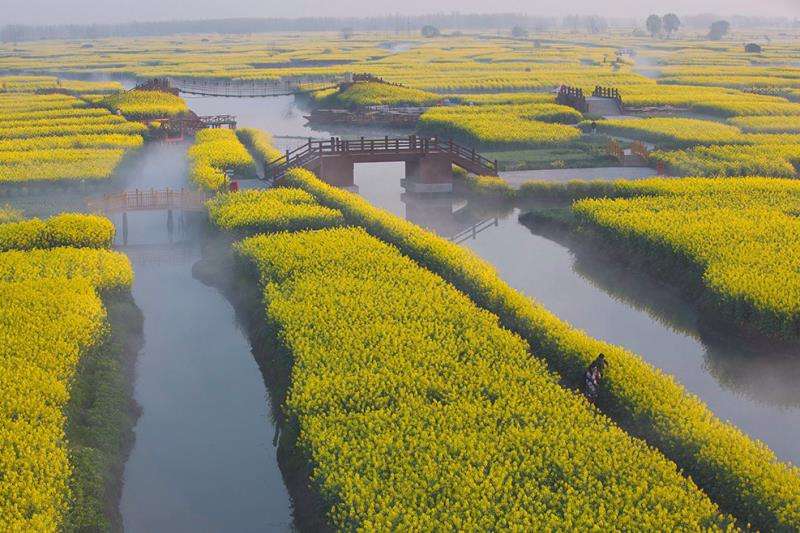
point(337, 171)
point(429, 174)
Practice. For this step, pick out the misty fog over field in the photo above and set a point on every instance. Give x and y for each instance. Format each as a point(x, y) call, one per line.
point(312, 266)
point(48, 12)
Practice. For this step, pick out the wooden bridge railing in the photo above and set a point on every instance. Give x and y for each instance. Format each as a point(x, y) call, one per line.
point(572, 97)
point(216, 121)
point(401, 146)
point(258, 88)
point(639, 148)
point(609, 92)
point(615, 150)
point(149, 200)
point(194, 123)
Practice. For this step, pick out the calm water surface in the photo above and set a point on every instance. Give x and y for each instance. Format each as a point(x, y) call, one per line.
point(203, 458)
point(755, 388)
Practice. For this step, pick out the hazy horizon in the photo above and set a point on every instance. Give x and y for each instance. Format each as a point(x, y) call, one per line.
point(50, 12)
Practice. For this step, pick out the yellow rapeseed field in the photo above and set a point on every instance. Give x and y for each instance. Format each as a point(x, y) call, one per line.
point(418, 410)
point(215, 152)
point(51, 315)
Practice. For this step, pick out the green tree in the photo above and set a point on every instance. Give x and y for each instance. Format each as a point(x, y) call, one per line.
point(654, 25)
point(518, 32)
point(430, 31)
point(671, 23)
point(718, 30)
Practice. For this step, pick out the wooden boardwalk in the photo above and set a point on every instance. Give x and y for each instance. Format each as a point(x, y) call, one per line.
point(636, 156)
point(605, 102)
point(257, 88)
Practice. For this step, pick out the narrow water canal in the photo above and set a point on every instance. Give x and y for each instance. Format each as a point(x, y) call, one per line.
point(203, 459)
point(753, 388)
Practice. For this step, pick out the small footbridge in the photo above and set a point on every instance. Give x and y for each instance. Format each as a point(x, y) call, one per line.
point(137, 200)
point(176, 128)
point(257, 88)
point(637, 155)
point(605, 102)
point(428, 160)
point(148, 200)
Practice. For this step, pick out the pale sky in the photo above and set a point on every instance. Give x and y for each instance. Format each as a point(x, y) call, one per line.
point(90, 11)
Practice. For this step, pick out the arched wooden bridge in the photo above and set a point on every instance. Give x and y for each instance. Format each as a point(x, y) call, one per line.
point(149, 200)
point(190, 124)
point(428, 160)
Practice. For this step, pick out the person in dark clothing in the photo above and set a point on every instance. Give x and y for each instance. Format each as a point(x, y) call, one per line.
point(593, 376)
point(594, 127)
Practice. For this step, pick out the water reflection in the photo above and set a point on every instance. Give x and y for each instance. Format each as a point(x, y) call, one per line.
point(284, 117)
point(752, 386)
point(766, 372)
point(203, 459)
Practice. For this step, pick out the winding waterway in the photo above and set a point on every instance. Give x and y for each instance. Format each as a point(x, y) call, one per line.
point(203, 459)
point(753, 387)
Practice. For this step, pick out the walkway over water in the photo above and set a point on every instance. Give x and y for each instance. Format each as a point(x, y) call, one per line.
point(428, 160)
point(149, 200)
point(192, 123)
point(258, 88)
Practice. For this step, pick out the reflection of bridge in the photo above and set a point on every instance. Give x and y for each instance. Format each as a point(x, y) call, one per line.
point(428, 161)
point(258, 88)
point(472, 231)
point(158, 254)
point(449, 217)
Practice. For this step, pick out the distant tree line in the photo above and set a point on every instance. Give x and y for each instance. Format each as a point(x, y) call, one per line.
point(347, 26)
point(704, 21)
point(666, 25)
point(389, 23)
